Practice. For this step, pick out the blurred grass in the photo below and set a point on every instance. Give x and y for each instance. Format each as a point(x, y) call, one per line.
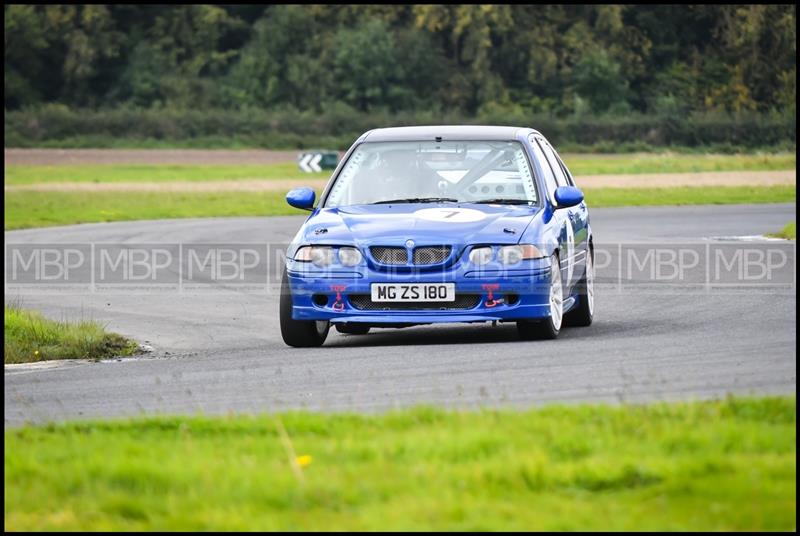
point(40, 209)
point(623, 164)
point(727, 465)
point(789, 232)
point(30, 337)
point(579, 164)
point(688, 195)
point(24, 209)
point(153, 173)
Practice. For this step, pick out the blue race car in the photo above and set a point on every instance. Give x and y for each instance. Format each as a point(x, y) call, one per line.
point(419, 225)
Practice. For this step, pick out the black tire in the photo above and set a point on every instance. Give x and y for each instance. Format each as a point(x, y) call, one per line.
point(544, 329)
point(299, 333)
point(582, 314)
point(352, 329)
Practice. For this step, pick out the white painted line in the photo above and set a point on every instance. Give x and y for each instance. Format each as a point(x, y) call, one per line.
point(15, 368)
point(747, 238)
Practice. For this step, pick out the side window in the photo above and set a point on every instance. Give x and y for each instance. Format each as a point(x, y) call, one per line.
point(561, 178)
point(564, 167)
point(549, 178)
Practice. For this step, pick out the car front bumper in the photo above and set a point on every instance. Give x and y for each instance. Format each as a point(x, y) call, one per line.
point(495, 295)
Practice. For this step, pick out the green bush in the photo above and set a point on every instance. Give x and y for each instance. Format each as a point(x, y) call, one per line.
point(339, 125)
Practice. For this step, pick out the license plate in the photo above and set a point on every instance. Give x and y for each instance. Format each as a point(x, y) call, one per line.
point(413, 292)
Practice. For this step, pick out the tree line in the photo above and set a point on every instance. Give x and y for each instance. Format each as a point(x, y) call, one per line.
point(564, 61)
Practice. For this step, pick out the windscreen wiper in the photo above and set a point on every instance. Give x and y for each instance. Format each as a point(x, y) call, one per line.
point(418, 200)
point(504, 201)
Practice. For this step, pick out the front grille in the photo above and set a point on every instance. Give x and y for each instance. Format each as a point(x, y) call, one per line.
point(399, 256)
point(387, 255)
point(462, 301)
point(431, 255)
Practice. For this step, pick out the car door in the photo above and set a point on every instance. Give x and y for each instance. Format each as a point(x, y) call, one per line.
point(576, 216)
point(581, 210)
point(561, 217)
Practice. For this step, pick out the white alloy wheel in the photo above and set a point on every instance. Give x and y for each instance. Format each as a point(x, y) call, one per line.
point(590, 283)
point(556, 296)
point(322, 326)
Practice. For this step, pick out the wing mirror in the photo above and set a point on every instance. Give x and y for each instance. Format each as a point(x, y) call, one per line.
point(568, 196)
point(302, 198)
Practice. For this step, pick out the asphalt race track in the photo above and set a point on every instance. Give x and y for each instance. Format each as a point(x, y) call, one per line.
point(218, 350)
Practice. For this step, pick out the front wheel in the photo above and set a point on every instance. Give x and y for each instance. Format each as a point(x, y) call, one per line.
point(299, 333)
point(550, 327)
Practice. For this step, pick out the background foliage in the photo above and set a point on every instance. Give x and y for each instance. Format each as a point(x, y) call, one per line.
point(58, 126)
point(458, 62)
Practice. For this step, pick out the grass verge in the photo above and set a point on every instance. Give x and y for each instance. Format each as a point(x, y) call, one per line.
point(41, 209)
point(18, 175)
point(715, 465)
point(623, 164)
point(30, 337)
point(25, 209)
point(789, 232)
point(687, 195)
point(579, 164)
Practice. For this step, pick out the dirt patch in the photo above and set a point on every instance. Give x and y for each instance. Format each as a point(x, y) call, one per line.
point(662, 180)
point(76, 157)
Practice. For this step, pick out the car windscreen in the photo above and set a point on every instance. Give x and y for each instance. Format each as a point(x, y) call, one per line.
point(463, 171)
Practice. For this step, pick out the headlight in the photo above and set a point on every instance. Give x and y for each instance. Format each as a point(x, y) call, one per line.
point(350, 256)
point(317, 255)
point(481, 256)
point(321, 256)
point(303, 254)
point(515, 254)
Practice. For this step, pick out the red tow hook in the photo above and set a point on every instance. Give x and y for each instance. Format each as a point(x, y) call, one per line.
point(490, 288)
point(338, 305)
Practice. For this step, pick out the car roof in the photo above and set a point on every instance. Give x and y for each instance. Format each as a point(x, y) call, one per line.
point(446, 133)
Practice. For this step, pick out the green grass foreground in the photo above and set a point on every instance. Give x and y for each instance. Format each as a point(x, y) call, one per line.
point(579, 164)
point(715, 465)
point(25, 209)
point(30, 337)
